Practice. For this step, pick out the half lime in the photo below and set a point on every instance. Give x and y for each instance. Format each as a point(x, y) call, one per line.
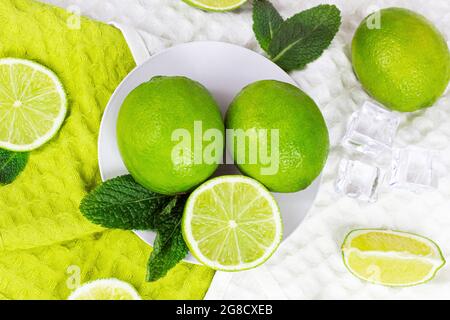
point(33, 104)
point(216, 5)
point(105, 289)
point(232, 223)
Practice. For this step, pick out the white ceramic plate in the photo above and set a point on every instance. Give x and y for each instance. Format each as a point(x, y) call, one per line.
point(222, 68)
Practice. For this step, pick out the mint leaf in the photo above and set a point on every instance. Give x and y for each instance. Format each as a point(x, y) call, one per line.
point(304, 37)
point(11, 165)
point(122, 203)
point(266, 22)
point(169, 247)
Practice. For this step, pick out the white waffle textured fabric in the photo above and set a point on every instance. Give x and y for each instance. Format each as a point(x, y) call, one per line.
point(309, 265)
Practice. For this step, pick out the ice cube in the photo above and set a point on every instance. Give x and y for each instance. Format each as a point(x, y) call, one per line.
point(358, 180)
point(412, 169)
point(371, 130)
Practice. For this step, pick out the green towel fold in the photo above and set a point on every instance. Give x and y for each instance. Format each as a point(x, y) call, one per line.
point(51, 272)
point(40, 224)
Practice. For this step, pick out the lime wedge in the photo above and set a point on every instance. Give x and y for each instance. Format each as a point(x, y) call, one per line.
point(391, 258)
point(107, 289)
point(232, 223)
point(216, 5)
point(33, 104)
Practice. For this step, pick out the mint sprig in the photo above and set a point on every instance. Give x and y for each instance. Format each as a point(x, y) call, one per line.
point(266, 22)
point(11, 165)
point(300, 39)
point(122, 203)
point(169, 247)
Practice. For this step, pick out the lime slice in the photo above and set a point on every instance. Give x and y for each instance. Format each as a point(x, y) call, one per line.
point(216, 5)
point(232, 223)
point(33, 104)
point(107, 289)
point(391, 258)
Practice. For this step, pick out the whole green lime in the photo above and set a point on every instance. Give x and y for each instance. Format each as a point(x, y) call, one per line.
point(286, 138)
point(160, 133)
point(401, 59)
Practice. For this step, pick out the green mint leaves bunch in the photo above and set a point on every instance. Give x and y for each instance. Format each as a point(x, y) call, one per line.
point(122, 203)
point(299, 40)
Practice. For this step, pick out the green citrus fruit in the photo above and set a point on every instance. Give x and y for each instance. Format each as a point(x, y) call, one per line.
point(403, 62)
point(156, 136)
point(391, 258)
point(216, 5)
point(33, 104)
point(232, 223)
point(105, 289)
point(267, 109)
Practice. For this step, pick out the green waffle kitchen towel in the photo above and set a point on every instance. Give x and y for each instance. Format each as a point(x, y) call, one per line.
point(42, 232)
point(51, 272)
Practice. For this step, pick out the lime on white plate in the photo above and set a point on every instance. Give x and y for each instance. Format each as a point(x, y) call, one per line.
point(33, 104)
point(106, 289)
point(232, 223)
point(216, 5)
point(391, 258)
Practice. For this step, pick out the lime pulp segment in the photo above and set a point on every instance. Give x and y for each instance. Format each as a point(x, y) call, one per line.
point(391, 258)
point(232, 223)
point(33, 104)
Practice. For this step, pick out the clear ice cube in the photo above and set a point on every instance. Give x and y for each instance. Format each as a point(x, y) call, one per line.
point(358, 180)
point(412, 169)
point(371, 130)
